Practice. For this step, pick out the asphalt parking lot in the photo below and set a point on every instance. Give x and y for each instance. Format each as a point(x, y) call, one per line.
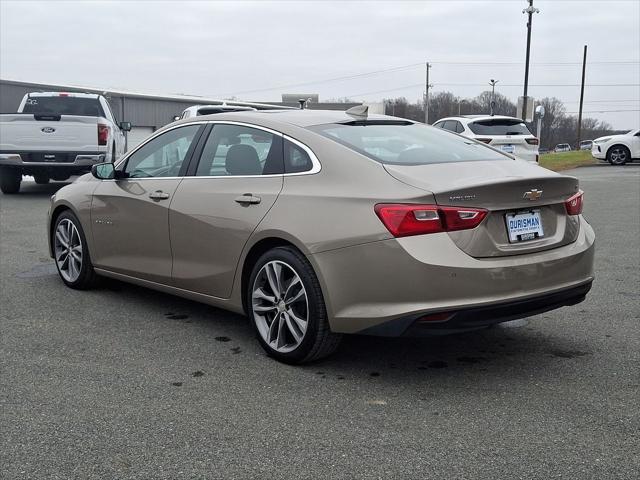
point(124, 382)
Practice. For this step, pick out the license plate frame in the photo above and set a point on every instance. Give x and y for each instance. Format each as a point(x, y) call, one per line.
point(509, 148)
point(524, 226)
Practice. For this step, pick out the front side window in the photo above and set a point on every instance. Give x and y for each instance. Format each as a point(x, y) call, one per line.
point(407, 144)
point(236, 150)
point(164, 155)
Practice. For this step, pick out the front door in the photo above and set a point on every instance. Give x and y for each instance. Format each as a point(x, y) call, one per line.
point(130, 215)
point(213, 213)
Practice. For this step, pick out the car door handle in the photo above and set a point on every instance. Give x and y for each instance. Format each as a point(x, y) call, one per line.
point(248, 199)
point(158, 195)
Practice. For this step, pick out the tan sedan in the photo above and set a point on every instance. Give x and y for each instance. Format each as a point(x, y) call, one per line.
point(317, 223)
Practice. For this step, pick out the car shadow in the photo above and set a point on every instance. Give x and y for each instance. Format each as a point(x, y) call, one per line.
point(518, 347)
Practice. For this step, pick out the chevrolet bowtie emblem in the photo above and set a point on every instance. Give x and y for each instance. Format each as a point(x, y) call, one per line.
point(532, 194)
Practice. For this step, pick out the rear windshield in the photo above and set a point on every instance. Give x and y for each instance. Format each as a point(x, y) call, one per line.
point(407, 144)
point(499, 126)
point(84, 107)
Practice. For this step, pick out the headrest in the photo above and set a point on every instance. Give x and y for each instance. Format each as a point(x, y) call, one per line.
point(243, 160)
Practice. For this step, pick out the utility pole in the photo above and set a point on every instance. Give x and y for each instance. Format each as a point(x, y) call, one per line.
point(493, 82)
point(530, 10)
point(426, 95)
point(584, 65)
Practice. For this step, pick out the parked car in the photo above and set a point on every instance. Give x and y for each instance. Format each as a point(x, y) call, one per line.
point(226, 107)
point(323, 223)
point(562, 147)
point(508, 134)
point(586, 144)
point(55, 135)
point(543, 150)
point(617, 149)
point(196, 110)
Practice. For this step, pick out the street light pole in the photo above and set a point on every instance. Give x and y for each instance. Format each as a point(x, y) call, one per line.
point(493, 93)
point(530, 10)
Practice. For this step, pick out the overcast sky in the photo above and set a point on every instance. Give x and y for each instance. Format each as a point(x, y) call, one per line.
point(258, 50)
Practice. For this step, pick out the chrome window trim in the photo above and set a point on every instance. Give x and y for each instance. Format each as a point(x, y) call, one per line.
point(316, 166)
point(154, 135)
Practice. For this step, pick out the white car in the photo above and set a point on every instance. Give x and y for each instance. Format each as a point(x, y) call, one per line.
point(508, 134)
point(617, 149)
point(562, 147)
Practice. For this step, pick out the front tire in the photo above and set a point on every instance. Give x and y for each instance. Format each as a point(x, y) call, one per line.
point(71, 252)
point(286, 308)
point(618, 155)
point(10, 180)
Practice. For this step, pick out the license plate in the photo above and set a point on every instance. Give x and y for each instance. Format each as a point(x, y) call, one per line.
point(508, 148)
point(524, 226)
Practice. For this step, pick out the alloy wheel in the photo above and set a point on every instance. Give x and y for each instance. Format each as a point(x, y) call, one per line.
point(618, 156)
point(280, 306)
point(68, 250)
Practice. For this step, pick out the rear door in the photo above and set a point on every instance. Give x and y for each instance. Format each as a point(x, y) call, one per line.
point(234, 183)
point(130, 216)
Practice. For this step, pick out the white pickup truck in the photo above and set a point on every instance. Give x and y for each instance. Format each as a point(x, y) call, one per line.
point(55, 135)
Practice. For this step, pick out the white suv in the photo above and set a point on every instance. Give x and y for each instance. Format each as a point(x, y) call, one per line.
point(617, 149)
point(508, 134)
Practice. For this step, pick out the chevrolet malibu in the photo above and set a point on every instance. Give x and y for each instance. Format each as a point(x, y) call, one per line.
point(317, 224)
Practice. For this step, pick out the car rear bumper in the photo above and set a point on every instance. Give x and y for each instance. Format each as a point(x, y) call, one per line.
point(65, 159)
point(383, 287)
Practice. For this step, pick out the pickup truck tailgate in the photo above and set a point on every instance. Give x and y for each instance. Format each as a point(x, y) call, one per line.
point(27, 132)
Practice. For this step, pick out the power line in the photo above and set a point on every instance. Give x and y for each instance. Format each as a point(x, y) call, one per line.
point(329, 80)
point(416, 65)
point(542, 85)
point(608, 111)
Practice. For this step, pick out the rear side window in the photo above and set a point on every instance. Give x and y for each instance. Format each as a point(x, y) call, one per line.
point(83, 107)
point(499, 126)
point(296, 160)
point(411, 144)
point(235, 150)
point(450, 125)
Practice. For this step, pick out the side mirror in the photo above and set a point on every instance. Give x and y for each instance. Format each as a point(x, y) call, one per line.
point(125, 126)
point(104, 171)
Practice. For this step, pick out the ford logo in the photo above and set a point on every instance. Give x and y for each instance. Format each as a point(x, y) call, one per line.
point(47, 130)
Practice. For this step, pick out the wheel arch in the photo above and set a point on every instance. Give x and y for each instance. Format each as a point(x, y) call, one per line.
point(261, 246)
point(55, 213)
point(618, 144)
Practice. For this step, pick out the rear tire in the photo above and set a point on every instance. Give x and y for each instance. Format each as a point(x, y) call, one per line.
point(10, 180)
point(618, 155)
point(41, 179)
point(71, 252)
point(286, 308)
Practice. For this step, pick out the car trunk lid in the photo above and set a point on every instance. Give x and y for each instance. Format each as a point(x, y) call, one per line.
point(504, 188)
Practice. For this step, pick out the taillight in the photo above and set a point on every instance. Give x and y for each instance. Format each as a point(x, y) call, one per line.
point(484, 140)
point(103, 134)
point(532, 141)
point(404, 220)
point(574, 203)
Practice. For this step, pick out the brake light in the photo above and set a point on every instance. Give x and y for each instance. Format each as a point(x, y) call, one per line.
point(103, 134)
point(484, 140)
point(532, 141)
point(404, 220)
point(574, 203)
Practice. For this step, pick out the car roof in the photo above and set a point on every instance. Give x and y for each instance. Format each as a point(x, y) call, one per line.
point(474, 118)
point(63, 94)
point(300, 118)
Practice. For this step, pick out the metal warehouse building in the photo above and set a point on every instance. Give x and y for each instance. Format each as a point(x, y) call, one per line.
point(145, 112)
